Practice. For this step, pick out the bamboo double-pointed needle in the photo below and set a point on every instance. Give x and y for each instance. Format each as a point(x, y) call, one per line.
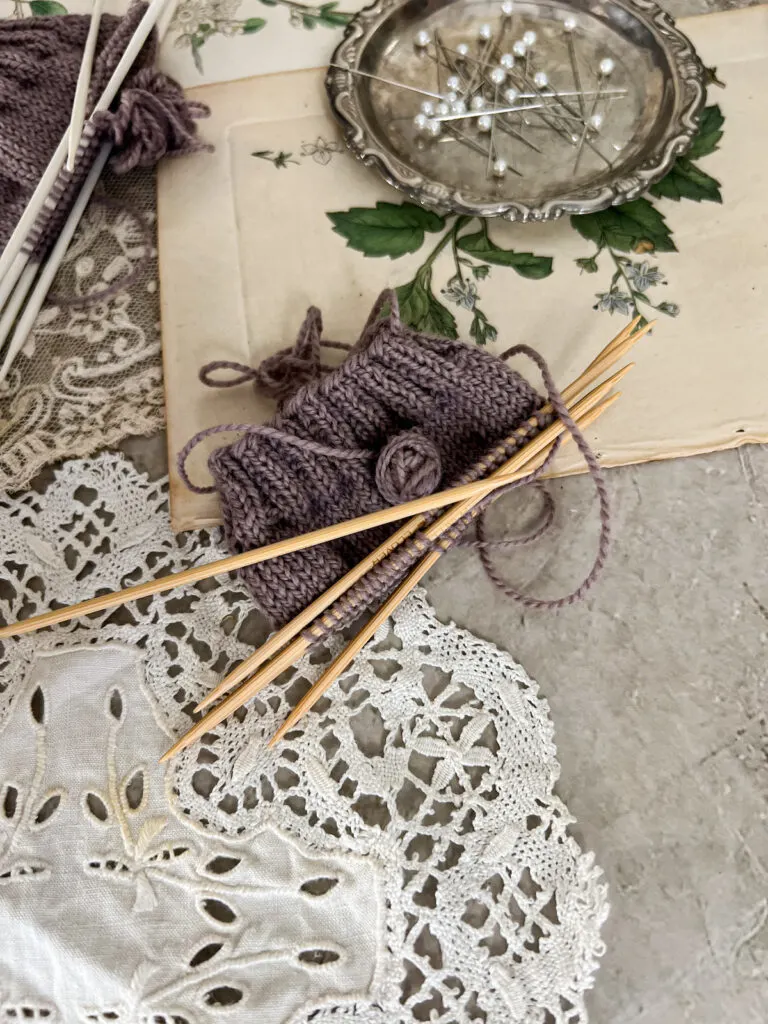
point(599, 365)
point(618, 347)
point(520, 465)
point(342, 662)
point(382, 517)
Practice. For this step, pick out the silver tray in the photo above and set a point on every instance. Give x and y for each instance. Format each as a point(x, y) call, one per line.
point(650, 102)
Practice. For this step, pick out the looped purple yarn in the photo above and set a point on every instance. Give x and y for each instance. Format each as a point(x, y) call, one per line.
point(395, 382)
point(281, 375)
point(544, 523)
point(408, 467)
point(152, 120)
point(595, 472)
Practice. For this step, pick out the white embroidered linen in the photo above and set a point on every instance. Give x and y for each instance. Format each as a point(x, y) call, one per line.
point(401, 858)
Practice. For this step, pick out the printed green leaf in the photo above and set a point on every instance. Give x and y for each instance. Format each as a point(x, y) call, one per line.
point(632, 227)
point(269, 3)
point(588, 264)
point(329, 16)
point(197, 42)
point(687, 181)
point(420, 308)
point(524, 263)
point(709, 135)
point(47, 7)
point(387, 229)
point(251, 25)
point(710, 78)
point(481, 329)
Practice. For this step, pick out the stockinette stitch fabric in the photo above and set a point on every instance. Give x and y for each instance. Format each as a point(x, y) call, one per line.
point(404, 414)
point(39, 63)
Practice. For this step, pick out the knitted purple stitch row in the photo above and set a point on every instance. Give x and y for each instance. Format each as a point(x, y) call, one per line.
point(395, 380)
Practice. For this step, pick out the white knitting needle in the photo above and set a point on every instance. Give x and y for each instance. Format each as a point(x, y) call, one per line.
point(40, 195)
point(83, 84)
point(16, 301)
point(44, 282)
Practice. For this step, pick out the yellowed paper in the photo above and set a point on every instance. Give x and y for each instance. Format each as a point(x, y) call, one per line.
point(246, 246)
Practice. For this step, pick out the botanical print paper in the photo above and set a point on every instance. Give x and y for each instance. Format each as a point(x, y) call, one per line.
point(252, 226)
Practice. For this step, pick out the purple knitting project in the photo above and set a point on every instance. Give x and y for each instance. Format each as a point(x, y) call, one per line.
point(39, 63)
point(404, 414)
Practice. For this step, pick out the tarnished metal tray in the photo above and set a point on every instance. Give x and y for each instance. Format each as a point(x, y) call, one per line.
point(589, 140)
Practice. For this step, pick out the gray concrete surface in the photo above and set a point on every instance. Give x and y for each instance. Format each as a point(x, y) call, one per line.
point(657, 687)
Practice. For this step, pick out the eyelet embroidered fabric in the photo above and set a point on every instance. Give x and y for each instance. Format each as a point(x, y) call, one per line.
point(401, 858)
point(87, 378)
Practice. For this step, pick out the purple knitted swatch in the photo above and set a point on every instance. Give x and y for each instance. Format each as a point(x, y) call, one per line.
point(316, 463)
point(404, 415)
point(39, 63)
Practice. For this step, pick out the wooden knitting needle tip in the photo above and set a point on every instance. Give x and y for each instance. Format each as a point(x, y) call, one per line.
point(520, 464)
point(342, 662)
point(599, 365)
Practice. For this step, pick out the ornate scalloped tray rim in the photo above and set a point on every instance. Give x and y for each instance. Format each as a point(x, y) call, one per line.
point(686, 65)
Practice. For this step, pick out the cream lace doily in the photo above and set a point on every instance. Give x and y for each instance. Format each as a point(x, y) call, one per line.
point(87, 378)
point(402, 858)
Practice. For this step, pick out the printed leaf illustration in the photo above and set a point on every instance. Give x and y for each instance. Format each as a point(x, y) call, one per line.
point(687, 181)
point(47, 7)
point(388, 229)
point(251, 25)
point(420, 308)
point(710, 133)
point(632, 227)
point(328, 16)
point(524, 263)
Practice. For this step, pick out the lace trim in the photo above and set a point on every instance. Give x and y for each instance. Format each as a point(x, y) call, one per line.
point(427, 777)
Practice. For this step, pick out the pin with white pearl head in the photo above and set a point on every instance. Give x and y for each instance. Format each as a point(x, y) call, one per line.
point(498, 75)
point(477, 103)
point(507, 60)
point(422, 39)
point(484, 33)
point(484, 123)
point(529, 41)
point(462, 49)
point(569, 28)
point(453, 83)
point(499, 167)
point(507, 17)
point(605, 69)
